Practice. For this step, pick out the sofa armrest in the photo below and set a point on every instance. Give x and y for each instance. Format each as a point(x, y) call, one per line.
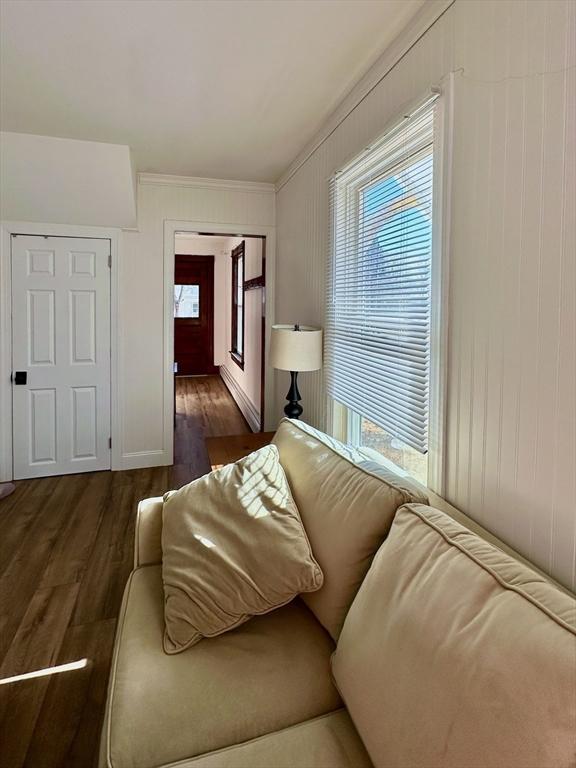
point(148, 536)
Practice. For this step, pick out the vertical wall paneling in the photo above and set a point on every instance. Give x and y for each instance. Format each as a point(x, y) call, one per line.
point(510, 453)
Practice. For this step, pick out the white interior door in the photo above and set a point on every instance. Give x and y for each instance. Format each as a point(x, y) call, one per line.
point(60, 355)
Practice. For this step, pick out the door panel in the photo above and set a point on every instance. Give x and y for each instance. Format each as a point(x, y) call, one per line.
point(194, 315)
point(84, 422)
point(42, 419)
point(41, 329)
point(40, 262)
point(61, 339)
point(82, 319)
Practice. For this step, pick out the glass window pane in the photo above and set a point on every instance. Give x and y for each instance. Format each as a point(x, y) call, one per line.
point(186, 301)
point(394, 450)
point(239, 273)
point(239, 329)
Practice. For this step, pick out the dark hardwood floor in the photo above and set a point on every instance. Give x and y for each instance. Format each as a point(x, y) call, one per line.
point(204, 408)
point(66, 548)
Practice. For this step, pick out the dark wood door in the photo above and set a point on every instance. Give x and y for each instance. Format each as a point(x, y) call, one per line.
point(194, 315)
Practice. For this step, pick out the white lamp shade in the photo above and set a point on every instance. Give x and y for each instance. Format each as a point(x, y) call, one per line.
point(292, 350)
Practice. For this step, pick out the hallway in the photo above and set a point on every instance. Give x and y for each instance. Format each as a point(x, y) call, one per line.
point(204, 408)
point(65, 554)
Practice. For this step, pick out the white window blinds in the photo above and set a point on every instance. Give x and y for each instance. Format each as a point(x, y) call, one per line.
point(378, 302)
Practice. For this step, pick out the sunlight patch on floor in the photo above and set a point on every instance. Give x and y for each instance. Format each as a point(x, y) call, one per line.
point(80, 664)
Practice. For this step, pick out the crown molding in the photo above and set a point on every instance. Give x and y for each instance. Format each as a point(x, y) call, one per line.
point(428, 14)
point(197, 182)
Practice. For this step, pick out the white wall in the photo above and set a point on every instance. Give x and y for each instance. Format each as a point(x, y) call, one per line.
point(510, 455)
point(245, 384)
point(142, 380)
point(63, 181)
point(146, 439)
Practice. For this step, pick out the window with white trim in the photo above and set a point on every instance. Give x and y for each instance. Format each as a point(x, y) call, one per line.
point(378, 322)
point(237, 313)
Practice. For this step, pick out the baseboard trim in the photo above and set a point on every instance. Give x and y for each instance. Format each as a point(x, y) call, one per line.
point(247, 408)
point(143, 459)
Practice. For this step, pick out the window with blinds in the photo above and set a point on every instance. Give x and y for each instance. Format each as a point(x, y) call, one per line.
point(379, 279)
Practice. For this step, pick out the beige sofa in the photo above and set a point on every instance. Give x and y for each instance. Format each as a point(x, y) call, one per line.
point(427, 646)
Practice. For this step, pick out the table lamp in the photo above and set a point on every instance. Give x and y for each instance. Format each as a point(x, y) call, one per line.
point(295, 348)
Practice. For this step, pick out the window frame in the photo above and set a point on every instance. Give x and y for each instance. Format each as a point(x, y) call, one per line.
point(343, 422)
point(238, 253)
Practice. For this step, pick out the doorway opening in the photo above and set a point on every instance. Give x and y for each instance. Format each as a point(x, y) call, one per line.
point(219, 327)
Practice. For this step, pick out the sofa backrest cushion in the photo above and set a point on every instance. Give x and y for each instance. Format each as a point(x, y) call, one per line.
point(346, 503)
point(455, 654)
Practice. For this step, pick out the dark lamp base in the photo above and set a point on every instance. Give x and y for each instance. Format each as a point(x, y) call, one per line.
point(293, 409)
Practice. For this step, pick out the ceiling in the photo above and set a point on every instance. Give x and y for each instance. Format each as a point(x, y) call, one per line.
point(218, 88)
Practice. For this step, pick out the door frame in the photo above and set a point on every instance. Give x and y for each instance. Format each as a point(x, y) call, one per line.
point(7, 229)
point(231, 229)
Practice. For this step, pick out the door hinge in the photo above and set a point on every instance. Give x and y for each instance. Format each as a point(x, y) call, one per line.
point(109, 442)
point(110, 260)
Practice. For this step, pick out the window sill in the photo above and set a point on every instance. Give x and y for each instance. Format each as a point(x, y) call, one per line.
point(238, 359)
point(374, 455)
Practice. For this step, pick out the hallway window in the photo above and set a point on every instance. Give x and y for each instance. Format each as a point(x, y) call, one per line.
point(237, 347)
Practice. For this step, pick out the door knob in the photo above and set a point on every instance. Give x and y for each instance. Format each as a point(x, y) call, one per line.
point(20, 377)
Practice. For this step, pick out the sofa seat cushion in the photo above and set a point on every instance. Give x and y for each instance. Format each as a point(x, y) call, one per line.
point(347, 503)
point(455, 654)
point(269, 673)
point(329, 741)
